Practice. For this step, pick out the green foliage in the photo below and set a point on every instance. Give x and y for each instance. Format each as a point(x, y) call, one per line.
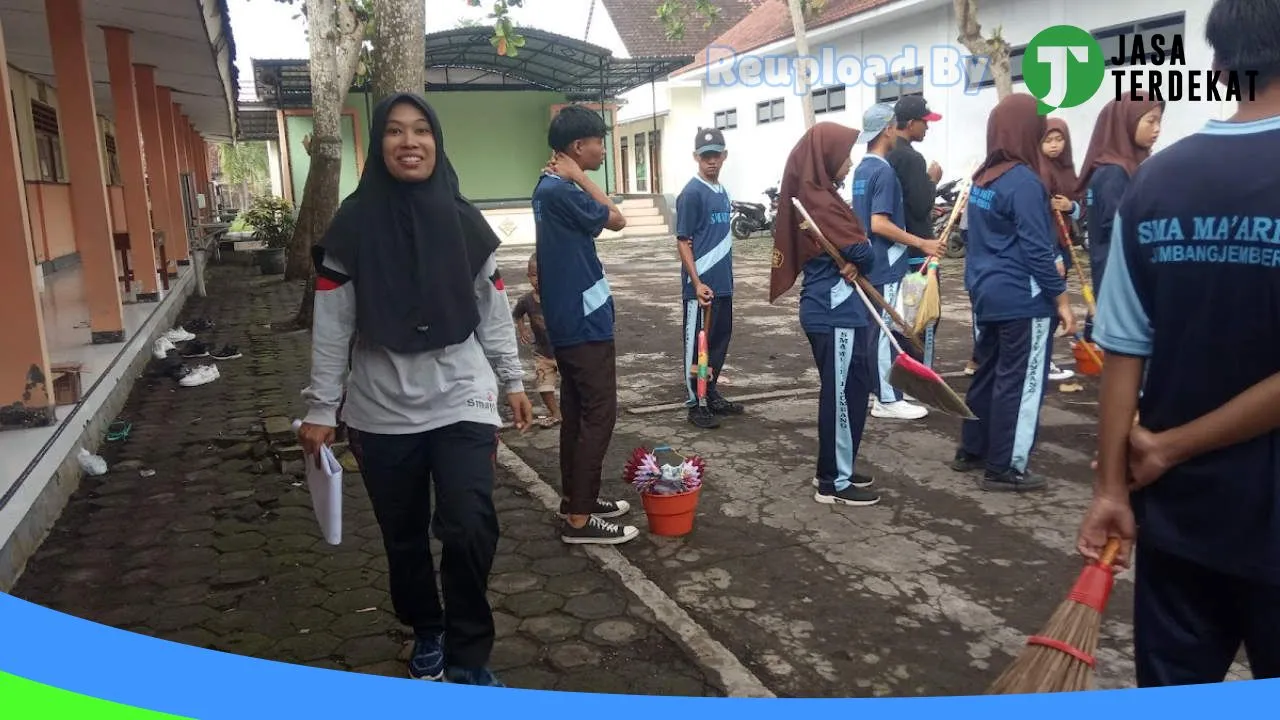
point(272, 220)
point(506, 39)
point(245, 163)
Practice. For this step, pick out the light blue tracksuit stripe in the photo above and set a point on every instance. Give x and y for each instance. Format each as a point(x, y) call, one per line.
point(884, 354)
point(844, 433)
point(690, 346)
point(1024, 433)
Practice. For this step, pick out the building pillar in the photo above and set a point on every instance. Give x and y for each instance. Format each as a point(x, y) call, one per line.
point(26, 394)
point(202, 173)
point(132, 166)
point(177, 243)
point(189, 146)
point(156, 164)
point(90, 208)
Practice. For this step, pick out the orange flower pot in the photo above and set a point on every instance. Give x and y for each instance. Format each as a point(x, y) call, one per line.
point(671, 515)
point(1085, 364)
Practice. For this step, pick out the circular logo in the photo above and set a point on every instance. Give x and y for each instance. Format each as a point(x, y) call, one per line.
point(777, 258)
point(1063, 67)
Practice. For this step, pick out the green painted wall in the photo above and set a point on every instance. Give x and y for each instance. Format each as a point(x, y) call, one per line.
point(497, 141)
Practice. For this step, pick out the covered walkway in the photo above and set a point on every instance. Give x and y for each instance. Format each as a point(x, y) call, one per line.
point(109, 109)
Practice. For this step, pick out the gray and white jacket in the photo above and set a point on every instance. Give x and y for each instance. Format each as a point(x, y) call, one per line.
point(398, 394)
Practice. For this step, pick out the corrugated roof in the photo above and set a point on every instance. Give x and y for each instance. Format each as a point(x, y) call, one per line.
point(771, 22)
point(644, 35)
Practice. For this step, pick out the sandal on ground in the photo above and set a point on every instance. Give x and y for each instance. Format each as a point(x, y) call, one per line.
point(119, 430)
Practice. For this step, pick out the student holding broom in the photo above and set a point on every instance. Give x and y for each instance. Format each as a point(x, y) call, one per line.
point(705, 244)
point(833, 317)
point(1194, 273)
point(878, 201)
point(1017, 291)
point(1058, 172)
point(1126, 131)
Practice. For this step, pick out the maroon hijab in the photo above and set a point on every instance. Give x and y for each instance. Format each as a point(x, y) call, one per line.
point(1014, 130)
point(810, 175)
point(1113, 138)
point(1059, 174)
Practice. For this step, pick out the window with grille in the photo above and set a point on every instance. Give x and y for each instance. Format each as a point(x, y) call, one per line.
point(771, 111)
point(899, 85)
point(113, 161)
point(48, 145)
point(726, 119)
point(828, 99)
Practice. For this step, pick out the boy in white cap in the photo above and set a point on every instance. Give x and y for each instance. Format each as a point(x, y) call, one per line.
point(878, 201)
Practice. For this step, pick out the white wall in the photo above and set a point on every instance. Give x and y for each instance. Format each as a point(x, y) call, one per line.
point(958, 142)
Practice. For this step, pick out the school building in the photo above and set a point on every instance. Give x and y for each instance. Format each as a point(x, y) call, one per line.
point(494, 111)
point(109, 109)
point(873, 51)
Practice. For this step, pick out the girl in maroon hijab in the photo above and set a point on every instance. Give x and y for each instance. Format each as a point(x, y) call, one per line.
point(1018, 295)
point(1058, 172)
point(833, 317)
point(1126, 131)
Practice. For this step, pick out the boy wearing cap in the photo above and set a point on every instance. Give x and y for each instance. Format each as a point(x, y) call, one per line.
point(878, 201)
point(705, 244)
point(919, 184)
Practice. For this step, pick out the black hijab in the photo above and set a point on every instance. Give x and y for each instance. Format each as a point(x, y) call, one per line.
point(412, 249)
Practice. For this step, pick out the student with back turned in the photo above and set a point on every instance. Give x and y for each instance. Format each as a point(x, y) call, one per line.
point(570, 211)
point(878, 201)
point(1017, 290)
point(705, 244)
point(1189, 316)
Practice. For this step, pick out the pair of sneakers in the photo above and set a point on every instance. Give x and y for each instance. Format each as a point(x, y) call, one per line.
point(427, 663)
point(198, 375)
point(708, 417)
point(858, 494)
point(1010, 480)
point(598, 530)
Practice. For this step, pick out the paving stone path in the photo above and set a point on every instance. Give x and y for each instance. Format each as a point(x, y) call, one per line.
point(219, 549)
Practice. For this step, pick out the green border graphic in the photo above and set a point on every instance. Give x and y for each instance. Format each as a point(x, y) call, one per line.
point(22, 699)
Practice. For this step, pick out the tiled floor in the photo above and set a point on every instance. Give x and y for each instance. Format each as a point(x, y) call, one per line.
point(66, 323)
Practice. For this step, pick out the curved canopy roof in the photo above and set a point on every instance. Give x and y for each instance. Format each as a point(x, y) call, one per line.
point(464, 59)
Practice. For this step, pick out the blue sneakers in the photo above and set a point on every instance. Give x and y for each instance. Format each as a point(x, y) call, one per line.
point(466, 676)
point(427, 661)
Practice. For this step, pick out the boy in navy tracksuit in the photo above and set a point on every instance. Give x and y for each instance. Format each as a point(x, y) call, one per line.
point(1189, 315)
point(570, 211)
point(706, 274)
point(1016, 290)
point(878, 201)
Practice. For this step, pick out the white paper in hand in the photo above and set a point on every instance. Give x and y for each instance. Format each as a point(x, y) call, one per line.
point(325, 485)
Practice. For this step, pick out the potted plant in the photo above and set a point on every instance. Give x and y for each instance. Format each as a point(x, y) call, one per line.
point(668, 491)
point(273, 222)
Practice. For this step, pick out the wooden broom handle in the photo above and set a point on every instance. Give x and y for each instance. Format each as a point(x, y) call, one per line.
point(1085, 290)
point(956, 211)
point(1110, 553)
point(867, 287)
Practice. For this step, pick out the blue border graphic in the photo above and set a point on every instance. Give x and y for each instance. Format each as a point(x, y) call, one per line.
point(65, 652)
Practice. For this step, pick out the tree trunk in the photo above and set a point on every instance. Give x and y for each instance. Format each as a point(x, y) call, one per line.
point(803, 66)
point(335, 36)
point(995, 48)
point(400, 52)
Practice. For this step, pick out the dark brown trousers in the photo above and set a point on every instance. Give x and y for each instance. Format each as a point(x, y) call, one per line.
point(589, 405)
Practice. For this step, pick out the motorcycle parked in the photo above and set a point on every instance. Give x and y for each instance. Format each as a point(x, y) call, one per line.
point(944, 200)
point(749, 218)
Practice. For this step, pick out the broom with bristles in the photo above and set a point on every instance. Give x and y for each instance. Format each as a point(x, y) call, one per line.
point(929, 308)
point(1086, 289)
point(1061, 658)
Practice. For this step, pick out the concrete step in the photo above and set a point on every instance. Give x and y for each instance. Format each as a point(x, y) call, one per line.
point(629, 203)
point(637, 211)
point(644, 220)
point(645, 231)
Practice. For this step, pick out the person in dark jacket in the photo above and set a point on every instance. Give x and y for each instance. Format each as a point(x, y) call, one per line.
point(1126, 131)
point(1018, 296)
point(919, 190)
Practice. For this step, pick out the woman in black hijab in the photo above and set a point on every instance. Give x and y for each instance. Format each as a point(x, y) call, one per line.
point(407, 269)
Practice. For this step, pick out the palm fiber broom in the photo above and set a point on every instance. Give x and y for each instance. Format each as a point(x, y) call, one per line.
point(1064, 238)
point(929, 308)
point(907, 374)
point(1061, 658)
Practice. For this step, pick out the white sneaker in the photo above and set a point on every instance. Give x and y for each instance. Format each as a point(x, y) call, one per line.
point(901, 410)
point(162, 347)
point(1056, 373)
point(179, 334)
point(202, 375)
